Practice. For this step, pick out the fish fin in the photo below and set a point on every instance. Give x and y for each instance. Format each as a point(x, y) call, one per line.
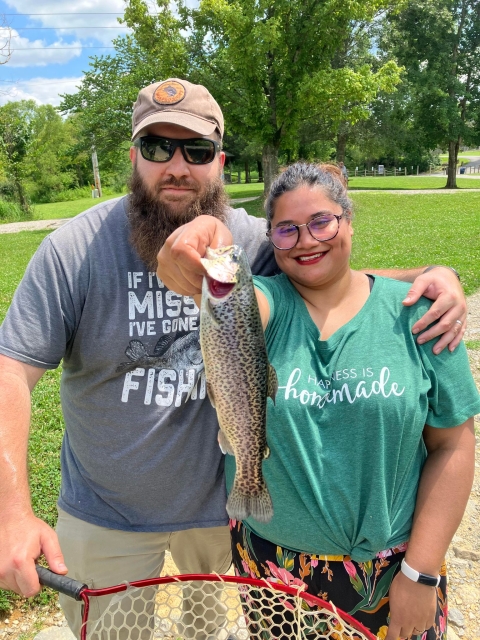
point(272, 385)
point(224, 443)
point(135, 350)
point(211, 394)
point(209, 309)
point(163, 344)
point(266, 453)
point(194, 355)
point(126, 366)
point(241, 506)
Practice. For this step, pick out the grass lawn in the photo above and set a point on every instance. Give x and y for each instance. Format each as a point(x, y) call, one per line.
point(55, 210)
point(409, 182)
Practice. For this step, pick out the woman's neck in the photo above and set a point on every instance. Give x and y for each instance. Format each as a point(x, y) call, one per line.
point(333, 304)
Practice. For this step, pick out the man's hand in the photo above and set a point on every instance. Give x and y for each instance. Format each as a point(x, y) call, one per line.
point(22, 540)
point(412, 608)
point(179, 265)
point(450, 307)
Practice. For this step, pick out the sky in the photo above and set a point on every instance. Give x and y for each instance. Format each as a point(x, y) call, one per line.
point(51, 43)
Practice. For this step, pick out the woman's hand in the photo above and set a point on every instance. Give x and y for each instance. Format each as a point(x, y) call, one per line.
point(450, 308)
point(412, 608)
point(179, 265)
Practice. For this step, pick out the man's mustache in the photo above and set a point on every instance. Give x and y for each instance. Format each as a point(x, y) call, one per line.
point(180, 183)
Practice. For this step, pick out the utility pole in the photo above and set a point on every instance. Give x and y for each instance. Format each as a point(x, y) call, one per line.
point(96, 172)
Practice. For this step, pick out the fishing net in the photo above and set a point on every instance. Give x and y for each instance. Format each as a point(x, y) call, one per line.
point(215, 607)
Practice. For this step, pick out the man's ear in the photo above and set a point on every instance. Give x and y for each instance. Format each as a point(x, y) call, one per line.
point(222, 158)
point(133, 155)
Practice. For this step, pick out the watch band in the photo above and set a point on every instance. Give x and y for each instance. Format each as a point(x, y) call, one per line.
point(434, 266)
point(416, 576)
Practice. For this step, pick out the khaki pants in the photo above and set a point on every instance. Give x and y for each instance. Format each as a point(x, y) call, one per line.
point(102, 557)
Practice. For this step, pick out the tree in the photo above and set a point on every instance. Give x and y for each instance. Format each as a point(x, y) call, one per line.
point(15, 135)
point(109, 88)
point(5, 49)
point(438, 42)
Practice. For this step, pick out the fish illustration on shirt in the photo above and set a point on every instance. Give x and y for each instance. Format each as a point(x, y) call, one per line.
point(183, 353)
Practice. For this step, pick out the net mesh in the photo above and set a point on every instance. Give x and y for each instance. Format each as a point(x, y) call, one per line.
point(207, 610)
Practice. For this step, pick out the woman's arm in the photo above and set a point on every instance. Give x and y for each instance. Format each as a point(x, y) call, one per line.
point(443, 492)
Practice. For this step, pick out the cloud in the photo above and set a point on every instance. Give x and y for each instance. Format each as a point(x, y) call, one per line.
point(37, 53)
point(42, 90)
point(76, 21)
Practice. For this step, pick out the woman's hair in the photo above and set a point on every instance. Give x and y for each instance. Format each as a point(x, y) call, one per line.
point(326, 177)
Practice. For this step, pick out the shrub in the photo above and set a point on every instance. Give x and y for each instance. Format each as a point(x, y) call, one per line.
point(10, 212)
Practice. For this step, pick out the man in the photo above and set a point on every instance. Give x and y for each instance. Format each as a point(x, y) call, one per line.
point(141, 468)
point(344, 171)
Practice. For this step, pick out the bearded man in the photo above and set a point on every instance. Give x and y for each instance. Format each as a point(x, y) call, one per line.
point(141, 468)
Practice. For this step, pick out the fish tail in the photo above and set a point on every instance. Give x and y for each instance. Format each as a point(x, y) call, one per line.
point(240, 506)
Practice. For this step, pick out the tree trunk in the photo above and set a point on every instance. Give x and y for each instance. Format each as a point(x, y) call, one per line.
point(453, 146)
point(270, 165)
point(260, 170)
point(22, 198)
point(247, 173)
point(341, 146)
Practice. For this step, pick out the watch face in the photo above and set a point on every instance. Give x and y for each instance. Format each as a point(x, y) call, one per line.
point(429, 581)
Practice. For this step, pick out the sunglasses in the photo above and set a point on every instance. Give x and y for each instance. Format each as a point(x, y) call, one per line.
point(194, 150)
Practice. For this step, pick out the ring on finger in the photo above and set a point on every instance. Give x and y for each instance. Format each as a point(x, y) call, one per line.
point(458, 322)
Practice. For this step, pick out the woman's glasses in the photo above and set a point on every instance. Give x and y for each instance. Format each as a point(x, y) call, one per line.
point(194, 150)
point(322, 228)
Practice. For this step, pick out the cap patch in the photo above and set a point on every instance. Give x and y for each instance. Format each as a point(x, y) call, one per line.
point(169, 93)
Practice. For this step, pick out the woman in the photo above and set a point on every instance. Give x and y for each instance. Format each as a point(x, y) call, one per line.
point(371, 435)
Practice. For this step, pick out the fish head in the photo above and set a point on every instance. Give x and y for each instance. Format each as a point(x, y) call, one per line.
point(227, 269)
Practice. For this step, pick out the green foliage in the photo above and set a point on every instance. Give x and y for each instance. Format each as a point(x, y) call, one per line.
point(474, 345)
point(438, 42)
point(10, 212)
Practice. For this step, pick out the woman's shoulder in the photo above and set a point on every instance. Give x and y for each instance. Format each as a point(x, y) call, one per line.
point(393, 292)
point(271, 284)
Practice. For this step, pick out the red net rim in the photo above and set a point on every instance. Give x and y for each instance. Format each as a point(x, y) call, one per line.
point(274, 586)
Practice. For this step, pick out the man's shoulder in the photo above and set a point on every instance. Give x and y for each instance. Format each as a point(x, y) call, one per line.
point(91, 221)
point(240, 220)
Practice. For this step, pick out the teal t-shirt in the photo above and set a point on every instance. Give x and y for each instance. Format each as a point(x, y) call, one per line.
point(345, 433)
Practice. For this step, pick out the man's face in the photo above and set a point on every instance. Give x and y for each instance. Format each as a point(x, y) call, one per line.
point(176, 183)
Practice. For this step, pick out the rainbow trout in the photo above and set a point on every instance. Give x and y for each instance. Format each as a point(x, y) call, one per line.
point(239, 376)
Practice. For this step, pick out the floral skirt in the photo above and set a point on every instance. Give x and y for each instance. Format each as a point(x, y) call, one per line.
point(358, 588)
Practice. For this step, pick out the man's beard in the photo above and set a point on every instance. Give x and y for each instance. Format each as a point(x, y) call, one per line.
point(152, 221)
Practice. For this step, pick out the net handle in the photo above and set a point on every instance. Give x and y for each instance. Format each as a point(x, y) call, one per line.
point(63, 584)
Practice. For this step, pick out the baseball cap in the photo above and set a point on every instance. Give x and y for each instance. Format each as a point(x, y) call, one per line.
point(176, 101)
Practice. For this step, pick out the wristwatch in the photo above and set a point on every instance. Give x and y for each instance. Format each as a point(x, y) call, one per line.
point(434, 266)
point(416, 576)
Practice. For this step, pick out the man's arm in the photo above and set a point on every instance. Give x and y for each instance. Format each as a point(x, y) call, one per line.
point(450, 307)
point(24, 537)
point(180, 269)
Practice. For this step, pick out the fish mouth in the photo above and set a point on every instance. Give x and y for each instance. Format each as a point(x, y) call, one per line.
point(219, 289)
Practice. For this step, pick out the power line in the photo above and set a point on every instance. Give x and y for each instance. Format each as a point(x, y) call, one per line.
point(56, 48)
point(53, 28)
point(78, 13)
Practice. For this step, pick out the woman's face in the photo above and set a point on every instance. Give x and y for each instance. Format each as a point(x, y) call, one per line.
point(312, 263)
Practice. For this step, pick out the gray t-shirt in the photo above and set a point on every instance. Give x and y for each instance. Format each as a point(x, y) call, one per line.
point(140, 448)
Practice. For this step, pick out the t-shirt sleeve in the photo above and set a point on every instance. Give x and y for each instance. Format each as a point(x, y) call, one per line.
point(453, 395)
point(249, 233)
point(42, 317)
point(280, 302)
